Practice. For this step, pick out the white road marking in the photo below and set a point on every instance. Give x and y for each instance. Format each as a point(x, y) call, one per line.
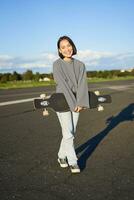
point(25, 94)
point(17, 101)
point(120, 87)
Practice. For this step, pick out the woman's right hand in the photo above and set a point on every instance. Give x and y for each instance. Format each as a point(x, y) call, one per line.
point(78, 109)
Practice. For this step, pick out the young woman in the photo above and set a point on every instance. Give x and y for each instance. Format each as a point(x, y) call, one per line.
point(70, 77)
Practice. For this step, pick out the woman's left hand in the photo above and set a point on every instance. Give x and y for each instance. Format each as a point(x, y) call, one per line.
point(78, 109)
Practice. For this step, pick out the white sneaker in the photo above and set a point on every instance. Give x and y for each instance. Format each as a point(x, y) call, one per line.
point(75, 168)
point(63, 162)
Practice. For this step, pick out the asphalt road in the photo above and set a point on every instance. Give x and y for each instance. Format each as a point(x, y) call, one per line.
point(104, 144)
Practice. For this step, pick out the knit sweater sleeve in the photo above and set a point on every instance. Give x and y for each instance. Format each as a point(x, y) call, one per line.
point(82, 89)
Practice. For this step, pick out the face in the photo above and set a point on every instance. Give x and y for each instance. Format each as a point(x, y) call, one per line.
point(66, 49)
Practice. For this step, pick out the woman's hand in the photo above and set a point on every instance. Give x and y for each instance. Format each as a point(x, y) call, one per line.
point(78, 109)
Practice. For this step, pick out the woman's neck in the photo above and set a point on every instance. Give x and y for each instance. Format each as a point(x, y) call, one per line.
point(67, 59)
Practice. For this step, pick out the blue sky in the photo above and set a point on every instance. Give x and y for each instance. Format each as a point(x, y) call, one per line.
point(101, 29)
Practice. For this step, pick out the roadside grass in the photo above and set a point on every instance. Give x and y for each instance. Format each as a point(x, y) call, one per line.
point(26, 84)
point(95, 80)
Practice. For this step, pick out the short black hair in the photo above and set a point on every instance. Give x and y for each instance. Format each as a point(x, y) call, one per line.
point(70, 41)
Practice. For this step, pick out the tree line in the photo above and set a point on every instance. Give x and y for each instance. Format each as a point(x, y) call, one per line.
point(29, 75)
point(26, 76)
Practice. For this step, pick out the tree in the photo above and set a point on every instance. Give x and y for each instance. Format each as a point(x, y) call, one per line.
point(37, 76)
point(5, 78)
point(28, 75)
point(15, 76)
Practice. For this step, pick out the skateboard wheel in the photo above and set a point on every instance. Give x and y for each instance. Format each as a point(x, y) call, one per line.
point(45, 112)
point(42, 96)
point(97, 92)
point(100, 108)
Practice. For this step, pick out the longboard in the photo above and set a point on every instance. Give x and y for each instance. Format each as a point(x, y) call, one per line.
point(58, 103)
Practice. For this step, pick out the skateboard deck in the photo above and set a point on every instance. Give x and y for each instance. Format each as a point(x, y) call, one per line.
point(58, 103)
point(95, 100)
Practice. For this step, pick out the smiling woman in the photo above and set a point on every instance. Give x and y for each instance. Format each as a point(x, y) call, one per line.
point(70, 77)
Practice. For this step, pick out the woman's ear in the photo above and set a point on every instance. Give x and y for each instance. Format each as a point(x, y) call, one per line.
point(59, 50)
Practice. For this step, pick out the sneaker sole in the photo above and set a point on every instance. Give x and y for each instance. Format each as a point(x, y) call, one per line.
point(62, 165)
point(75, 171)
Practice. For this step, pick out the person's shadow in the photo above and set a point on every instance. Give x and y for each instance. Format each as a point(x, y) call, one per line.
point(127, 114)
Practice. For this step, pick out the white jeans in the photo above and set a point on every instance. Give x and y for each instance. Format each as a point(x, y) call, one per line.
point(68, 122)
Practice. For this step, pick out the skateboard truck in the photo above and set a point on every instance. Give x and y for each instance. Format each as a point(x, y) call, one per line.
point(45, 111)
point(100, 107)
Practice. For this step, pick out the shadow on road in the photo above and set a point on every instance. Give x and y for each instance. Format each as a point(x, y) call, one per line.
point(127, 114)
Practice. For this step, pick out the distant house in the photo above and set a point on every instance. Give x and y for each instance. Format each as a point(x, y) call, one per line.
point(130, 70)
point(44, 79)
point(122, 70)
point(127, 70)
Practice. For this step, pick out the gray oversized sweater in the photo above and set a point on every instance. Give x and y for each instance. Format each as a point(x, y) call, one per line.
point(70, 78)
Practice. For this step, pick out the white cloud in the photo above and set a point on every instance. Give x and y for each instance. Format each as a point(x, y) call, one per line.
point(49, 56)
point(106, 60)
point(44, 60)
point(5, 61)
point(88, 54)
point(93, 60)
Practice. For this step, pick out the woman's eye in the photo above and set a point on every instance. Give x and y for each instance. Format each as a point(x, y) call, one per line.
point(63, 47)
